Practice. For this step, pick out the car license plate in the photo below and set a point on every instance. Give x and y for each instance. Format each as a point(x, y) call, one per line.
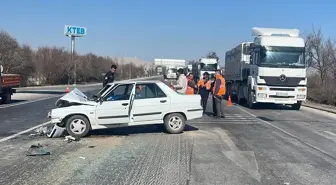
point(281, 94)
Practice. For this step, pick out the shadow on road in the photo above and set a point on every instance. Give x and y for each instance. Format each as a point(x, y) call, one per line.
point(41, 92)
point(126, 131)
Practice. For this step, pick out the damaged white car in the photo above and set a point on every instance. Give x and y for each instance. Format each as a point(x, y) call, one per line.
point(126, 104)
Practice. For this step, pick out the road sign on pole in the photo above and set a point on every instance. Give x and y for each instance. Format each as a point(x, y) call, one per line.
point(74, 31)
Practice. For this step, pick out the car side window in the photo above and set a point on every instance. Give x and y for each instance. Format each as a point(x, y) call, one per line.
point(121, 92)
point(150, 90)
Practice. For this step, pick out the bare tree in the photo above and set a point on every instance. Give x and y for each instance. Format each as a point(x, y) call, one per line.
point(320, 53)
point(9, 53)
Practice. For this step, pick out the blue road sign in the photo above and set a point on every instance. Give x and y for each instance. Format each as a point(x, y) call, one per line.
point(74, 31)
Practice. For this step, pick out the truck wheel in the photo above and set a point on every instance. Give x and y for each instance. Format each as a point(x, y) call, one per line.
point(78, 126)
point(296, 106)
point(174, 123)
point(250, 103)
point(6, 98)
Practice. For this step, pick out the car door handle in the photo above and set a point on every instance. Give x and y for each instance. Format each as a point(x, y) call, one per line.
point(124, 104)
point(163, 101)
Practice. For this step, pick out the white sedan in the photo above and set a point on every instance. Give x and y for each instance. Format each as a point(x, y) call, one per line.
point(126, 104)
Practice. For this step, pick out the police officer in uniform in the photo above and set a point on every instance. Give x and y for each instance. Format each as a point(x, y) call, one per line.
point(109, 76)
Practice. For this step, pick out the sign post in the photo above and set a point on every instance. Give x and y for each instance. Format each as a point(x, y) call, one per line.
point(73, 32)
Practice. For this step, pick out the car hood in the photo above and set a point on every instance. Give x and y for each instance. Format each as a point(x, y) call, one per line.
point(76, 96)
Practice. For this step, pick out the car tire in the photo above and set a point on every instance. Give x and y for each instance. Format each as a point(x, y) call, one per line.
point(82, 124)
point(174, 123)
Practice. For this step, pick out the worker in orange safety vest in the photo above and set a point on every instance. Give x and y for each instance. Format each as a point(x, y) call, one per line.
point(218, 92)
point(204, 86)
point(191, 87)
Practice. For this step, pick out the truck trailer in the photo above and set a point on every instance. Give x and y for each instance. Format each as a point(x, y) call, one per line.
point(8, 82)
point(272, 69)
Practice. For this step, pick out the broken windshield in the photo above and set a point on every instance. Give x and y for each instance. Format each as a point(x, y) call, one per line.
point(282, 56)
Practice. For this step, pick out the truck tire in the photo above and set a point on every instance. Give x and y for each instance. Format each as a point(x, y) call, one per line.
point(250, 103)
point(6, 98)
point(296, 106)
point(174, 123)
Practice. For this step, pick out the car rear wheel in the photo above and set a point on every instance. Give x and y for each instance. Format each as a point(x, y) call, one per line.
point(174, 123)
point(78, 126)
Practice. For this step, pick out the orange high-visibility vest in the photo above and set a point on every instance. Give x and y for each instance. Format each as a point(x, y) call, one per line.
point(201, 84)
point(189, 90)
point(222, 88)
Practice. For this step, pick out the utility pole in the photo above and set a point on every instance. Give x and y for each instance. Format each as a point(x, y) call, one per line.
point(72, 58)
point(74, 31)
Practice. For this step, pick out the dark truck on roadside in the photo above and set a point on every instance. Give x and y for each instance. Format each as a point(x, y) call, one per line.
point(8, 83)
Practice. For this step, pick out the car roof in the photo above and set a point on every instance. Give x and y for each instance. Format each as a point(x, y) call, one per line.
point(136, 81)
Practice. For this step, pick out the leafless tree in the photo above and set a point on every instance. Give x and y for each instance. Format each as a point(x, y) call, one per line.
point(320, 53)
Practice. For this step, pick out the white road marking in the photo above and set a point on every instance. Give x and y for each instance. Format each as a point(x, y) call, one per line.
point(26, 102)
point(289, 134)
point(23, 132)
point(331, 133)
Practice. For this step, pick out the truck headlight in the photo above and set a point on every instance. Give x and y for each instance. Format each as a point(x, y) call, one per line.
point(300, 96)
point(262, 95)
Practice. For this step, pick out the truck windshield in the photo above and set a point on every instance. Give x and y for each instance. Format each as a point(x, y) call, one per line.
point(282, 56)
point(172, 70)
point(208, 67)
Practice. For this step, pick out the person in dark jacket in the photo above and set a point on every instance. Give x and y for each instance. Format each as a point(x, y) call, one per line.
point(109, 76)
point(204, 86)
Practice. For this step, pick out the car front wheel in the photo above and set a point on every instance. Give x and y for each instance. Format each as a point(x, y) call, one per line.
point(78, 126)
point(174, 123)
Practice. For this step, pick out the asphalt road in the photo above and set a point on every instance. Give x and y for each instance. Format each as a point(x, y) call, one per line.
point(272, 145)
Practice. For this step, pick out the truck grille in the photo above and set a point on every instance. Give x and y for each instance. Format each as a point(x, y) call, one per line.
point(275, 81)
point(282, 89)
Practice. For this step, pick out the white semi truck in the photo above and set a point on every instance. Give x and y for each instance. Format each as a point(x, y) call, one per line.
point(272, 69)
point(209, 65)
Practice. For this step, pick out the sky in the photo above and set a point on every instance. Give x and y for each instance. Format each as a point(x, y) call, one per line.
point(148, 29)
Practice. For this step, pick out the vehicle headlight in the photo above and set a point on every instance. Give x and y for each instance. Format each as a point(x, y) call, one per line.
point(300, 96)
point(262, 95)
point(262, 88)
point(301, 89)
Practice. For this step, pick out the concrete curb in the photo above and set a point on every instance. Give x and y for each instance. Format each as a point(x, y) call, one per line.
point(81, 85)
point(319, 108)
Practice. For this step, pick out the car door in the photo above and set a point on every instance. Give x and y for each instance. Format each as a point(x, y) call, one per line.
point(150, 103)
point(114, 107)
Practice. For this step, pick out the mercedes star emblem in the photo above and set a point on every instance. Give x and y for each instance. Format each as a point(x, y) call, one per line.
point(282, 78)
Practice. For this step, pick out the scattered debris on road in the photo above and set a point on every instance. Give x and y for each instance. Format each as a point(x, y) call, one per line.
point(82, 157)
point(70, 139)
point(41, 131)
point(37, 150)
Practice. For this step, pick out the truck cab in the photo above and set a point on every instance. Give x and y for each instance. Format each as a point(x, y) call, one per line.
point(209, 65)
